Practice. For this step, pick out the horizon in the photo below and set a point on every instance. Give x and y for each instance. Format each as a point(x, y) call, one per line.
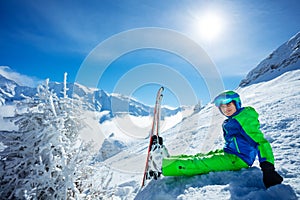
point(45, 39)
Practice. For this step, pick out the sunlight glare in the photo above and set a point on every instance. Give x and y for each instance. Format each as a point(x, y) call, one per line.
point(210, 25)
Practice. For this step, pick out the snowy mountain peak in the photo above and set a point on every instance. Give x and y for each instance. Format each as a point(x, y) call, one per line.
point(11, 91)
point(4, 81)
point(93, 98)
point(7, 87)
point(283, 59)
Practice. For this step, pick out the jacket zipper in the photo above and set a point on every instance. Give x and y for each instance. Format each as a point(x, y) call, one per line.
point(236, 145)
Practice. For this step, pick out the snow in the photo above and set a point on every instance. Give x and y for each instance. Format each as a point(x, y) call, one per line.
point(7, 111)
point(120, 136)
point(283, 59)
point(125, 128)
point(277, 102)
point(218, 185)
point(119, 175)
point(20, 79)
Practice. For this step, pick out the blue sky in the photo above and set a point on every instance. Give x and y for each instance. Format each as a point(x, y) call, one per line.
point(44, 39)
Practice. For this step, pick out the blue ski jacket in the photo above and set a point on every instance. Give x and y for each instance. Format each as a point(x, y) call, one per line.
point(243, 137)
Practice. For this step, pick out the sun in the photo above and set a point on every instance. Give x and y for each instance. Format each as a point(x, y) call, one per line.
point(210, 25)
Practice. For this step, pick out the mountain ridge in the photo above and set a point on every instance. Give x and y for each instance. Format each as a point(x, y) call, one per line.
point(95, 99)
point(284, 58)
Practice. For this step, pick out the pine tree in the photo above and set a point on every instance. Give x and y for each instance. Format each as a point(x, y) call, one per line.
point(43, 159)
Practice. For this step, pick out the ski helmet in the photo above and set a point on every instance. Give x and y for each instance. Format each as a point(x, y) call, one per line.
point(227, 97)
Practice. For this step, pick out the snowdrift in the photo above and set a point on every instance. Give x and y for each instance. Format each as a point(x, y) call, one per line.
point(245, 184)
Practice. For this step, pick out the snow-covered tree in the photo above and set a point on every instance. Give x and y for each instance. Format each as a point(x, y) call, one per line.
point(198, 107)
point(45, 157)
point(94, 182)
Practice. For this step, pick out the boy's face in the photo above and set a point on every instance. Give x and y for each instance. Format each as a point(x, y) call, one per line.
point(228, 109)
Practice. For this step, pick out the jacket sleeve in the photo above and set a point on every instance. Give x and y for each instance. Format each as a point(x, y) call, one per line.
point(250, 123)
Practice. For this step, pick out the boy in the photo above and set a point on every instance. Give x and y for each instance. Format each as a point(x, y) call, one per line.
point(243, 142)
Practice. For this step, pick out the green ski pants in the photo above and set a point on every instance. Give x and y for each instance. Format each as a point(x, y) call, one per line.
point(189, 165)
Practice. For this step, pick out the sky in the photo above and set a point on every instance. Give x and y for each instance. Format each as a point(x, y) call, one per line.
point(43, 39)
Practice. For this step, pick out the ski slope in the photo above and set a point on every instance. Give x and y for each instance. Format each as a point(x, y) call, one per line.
point(278, 103)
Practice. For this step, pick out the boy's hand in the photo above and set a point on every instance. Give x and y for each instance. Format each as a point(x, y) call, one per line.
point(270, 176)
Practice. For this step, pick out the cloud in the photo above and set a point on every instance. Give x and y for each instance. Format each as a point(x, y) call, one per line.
point(20, 79)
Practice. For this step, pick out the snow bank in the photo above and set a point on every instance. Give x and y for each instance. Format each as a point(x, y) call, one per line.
point(245, 184)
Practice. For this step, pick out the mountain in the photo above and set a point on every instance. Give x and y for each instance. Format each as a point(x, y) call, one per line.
point(10, 91)
point(94, 99)
point(109, 115)
point(283, 59)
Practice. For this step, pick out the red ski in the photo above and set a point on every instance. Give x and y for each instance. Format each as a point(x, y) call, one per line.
point(154, 130)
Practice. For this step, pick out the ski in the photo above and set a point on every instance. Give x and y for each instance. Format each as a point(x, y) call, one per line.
point(154, 131)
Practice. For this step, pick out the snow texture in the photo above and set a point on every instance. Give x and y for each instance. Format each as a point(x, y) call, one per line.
point(277, 101)
point(40, 159)
point(109, 148)
point(283, 59)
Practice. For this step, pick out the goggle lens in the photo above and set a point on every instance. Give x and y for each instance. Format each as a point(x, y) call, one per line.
point(219, 102)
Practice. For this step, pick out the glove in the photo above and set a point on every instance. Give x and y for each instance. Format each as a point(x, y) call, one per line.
point(270, 176)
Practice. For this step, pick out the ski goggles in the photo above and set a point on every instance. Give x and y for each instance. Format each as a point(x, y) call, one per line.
point(224, 99)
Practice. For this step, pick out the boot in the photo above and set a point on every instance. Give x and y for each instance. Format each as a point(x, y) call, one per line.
point(157, 153)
